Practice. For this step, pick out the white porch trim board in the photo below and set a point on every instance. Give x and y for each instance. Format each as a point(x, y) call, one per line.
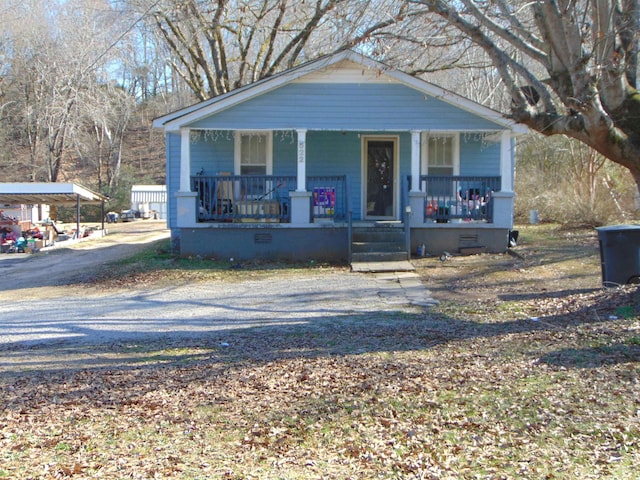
point(301, 199)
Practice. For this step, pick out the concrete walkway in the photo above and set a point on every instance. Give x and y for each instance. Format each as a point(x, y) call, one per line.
point(397, 280)
point(405, 287)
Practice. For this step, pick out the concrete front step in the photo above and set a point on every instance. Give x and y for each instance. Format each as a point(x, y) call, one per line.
point(369, 257)
point(373, 267)
point(378, 244)
point(383, 236)
point(360, 247)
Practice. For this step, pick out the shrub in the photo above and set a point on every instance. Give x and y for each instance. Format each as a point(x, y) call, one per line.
point(571, 184)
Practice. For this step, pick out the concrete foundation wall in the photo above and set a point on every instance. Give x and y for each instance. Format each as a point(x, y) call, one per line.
point(323, 243)
point(290, 244)
point(452, 240)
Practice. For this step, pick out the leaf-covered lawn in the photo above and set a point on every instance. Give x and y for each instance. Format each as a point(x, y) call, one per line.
point(542, 384)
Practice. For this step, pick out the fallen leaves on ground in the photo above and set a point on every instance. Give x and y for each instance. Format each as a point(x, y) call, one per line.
point(538, 381)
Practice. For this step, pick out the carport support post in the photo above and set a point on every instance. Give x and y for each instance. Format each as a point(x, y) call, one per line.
point(78, 217)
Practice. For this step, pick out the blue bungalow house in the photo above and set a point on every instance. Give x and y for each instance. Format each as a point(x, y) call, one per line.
point(336, 159)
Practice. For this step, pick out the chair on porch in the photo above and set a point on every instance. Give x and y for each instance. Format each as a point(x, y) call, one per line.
point(225, 195)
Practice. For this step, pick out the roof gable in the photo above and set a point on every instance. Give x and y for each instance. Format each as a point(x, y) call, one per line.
point(340, 68)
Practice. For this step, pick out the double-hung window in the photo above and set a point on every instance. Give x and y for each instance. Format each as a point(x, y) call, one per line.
point(253, 157)
point(441, 157)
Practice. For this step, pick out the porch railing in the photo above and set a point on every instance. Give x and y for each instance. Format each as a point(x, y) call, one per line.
point(466, 198)
point(243, 198)
point(265, 198)
point(330, 197)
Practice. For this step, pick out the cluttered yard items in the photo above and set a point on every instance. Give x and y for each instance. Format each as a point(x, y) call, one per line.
point(20, 236)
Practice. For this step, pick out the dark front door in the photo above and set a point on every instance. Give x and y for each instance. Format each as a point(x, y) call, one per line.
point(380, 178)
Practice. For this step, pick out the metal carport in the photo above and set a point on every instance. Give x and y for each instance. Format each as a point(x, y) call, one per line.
point(51, 193)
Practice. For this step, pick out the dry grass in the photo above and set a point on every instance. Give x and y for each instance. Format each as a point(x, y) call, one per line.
point(528, 369)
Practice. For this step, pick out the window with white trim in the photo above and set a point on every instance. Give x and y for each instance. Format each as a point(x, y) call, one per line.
point(253, 156)
point(253, 153)
point(441, 155)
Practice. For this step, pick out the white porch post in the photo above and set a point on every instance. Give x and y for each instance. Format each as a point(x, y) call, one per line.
point(301, 199)
point(503, 200)
point(416, 197)
point(302, 160)
point(506, 162)
point(185, 198)
point(185, 160)
point(415, 160)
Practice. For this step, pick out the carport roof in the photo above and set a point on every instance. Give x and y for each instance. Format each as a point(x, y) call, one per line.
point(47, 193)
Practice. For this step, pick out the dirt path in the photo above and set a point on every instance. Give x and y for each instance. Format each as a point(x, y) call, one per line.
point(68, 261)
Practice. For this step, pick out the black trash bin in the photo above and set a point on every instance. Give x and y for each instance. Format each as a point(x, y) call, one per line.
point(619, 254)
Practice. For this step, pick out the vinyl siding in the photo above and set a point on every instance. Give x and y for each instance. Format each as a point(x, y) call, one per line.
point(285, 153)
point(479, 157)
point(335, 153)
point(212, 153)
point(383, 107)
point(340, 153)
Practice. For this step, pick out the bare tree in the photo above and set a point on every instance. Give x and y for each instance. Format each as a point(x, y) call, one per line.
point(99, 139)
point(560, 67)
point(59, 52)
point(218, 45)
point(569, 67)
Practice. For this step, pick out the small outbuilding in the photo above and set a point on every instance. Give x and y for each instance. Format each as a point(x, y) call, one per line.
point(150, 201)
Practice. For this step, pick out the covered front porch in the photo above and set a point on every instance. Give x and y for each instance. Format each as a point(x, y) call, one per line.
point(267, 199)
point(379, 177)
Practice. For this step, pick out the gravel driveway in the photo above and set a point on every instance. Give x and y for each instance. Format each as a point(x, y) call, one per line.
point(36, 310)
